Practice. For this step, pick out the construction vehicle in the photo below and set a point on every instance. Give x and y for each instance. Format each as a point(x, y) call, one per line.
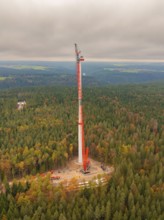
point(87, 169)
point(103, 167)
point(53, 177)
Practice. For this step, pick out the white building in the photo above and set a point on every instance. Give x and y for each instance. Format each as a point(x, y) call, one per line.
point(21, 105)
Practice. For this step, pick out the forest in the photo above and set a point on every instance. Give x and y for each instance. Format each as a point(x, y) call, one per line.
point(124, 127)
point(40, 73)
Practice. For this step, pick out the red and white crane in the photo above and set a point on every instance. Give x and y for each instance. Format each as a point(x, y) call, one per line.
point(82, 150)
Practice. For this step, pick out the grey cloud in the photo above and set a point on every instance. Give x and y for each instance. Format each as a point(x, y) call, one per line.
point(106, 29)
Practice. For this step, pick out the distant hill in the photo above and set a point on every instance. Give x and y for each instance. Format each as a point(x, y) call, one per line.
point(20, 74)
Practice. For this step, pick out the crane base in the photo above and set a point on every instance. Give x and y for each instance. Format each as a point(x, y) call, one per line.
point(84, 172)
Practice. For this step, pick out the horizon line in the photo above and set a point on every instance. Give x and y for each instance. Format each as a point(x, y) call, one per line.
point(89, 60)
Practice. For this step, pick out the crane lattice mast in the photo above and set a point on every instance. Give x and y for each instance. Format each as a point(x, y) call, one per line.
point(82, 150)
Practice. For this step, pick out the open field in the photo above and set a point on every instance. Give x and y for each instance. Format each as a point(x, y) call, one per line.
point(2, 78)
point(25, 67)
point(21, 67)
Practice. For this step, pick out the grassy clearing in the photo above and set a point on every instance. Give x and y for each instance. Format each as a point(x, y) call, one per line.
point(131, 71)
point(2, 78)
point(123, 70)
point(30, 67)
point(119, 64)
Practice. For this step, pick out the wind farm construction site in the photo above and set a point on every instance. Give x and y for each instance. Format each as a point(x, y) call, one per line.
point(72, 174)
point(81, 170)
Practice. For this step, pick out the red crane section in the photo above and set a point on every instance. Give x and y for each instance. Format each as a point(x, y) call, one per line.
point(82, 150)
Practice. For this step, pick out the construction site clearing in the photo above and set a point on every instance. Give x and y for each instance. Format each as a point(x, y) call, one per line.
point(72, 175)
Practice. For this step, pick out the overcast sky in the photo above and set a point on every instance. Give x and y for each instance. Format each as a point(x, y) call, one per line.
point(104, 29)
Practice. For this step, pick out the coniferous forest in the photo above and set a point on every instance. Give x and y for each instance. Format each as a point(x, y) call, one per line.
point(124, 127)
